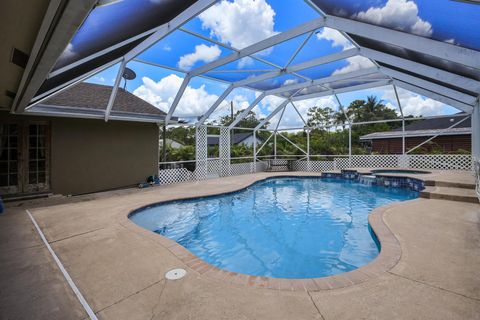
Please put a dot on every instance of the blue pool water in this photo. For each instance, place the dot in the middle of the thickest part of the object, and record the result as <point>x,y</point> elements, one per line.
<point>280,227</point>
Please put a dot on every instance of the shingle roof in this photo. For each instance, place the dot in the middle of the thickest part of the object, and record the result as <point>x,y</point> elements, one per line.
<point>96,96</point>
<point>427,127</point>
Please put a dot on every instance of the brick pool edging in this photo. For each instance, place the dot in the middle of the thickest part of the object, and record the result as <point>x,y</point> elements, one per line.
<point>388,257</point>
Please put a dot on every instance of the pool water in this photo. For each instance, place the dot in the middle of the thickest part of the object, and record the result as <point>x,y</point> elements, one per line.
<point>280,227</point>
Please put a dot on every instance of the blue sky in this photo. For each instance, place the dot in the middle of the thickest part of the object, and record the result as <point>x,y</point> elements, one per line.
<point>239,23</point>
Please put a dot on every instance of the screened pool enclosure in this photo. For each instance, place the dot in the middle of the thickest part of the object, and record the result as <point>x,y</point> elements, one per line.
<point>275,59</point>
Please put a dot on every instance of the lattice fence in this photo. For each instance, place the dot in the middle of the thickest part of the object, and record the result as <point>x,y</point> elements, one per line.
<point>213,168</point>
<point>169,176</point>
<point>315,166</point>
<point>441,161</point>
<point>224,152</point>
<point>374,161</point>
<point>341,163</point>
<point>201,152</point>
<point>237,169</point>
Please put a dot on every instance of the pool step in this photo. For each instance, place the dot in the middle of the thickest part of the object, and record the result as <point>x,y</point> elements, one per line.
<point>448,184</point>
<point>448,193</point>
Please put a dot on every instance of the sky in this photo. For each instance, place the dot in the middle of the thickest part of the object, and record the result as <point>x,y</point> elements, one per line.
<point>240,23</point>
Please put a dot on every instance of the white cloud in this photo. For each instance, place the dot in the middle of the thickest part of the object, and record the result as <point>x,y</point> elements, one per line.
<point>291,119</point>
<point>290,82</point>
<point>167,48</point>
<point>202,53</point>
<point>337,39</point>
<point>397,14</point>
<point>101,79</point>
<point>194,102</point>
<point>354,63</point>
<point>239,23</point>
<point>414,104</point>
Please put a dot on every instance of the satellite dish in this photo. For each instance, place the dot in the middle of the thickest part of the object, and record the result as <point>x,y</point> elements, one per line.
<point>128,74</point>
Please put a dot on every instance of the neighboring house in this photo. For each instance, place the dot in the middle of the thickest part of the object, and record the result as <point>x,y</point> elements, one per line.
<point>172,143</point>
<point>245,138</point>
<point>71,155</point>
<point>450,140</point>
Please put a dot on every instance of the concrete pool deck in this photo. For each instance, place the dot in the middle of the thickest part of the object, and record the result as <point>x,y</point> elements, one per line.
<point>120,270</point>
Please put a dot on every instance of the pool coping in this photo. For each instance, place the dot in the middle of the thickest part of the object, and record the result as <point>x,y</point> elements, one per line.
<point>389,255</point>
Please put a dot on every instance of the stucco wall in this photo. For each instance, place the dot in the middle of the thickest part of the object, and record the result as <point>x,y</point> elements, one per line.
<point>91,155</point>
<point>94,155</point>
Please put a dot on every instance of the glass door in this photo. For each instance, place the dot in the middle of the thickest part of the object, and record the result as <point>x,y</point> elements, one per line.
<point>9,155</point>
<point>24,157</point>
<point>37,162</point>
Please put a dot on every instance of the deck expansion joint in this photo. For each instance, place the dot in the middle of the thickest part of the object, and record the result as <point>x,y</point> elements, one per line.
<point>433,286</point>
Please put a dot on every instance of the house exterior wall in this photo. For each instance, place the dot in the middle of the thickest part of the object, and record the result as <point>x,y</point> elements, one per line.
<point>89,155</point>
<point>449,144</point>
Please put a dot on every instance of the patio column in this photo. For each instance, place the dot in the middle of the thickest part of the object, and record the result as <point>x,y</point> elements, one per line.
<point>350,145</point>
<point>275,145</point>
<point>308,150</point>
<point>476,130</point>
<point>254,151</point>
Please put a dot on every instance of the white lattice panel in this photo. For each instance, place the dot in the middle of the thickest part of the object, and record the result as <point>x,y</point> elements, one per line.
<point>169,176</point>
<point>374,161</point>
<point>224,152</point>
<point>261,166</point>
<point>237,169</point>
<point>213,168</point>
<point>201,153</point>
<point>441,161</point>
<point>341,163</point>
<point>315,166</point>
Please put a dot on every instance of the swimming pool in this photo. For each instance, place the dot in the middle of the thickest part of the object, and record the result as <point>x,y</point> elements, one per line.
<point>280,227</point>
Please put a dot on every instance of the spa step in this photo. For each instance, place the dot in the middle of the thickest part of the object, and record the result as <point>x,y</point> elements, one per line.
<point>453,194</point>
<point>460,185</point>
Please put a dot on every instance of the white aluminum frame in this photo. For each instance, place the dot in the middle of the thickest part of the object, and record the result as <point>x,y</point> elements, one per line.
<point>406,79</point>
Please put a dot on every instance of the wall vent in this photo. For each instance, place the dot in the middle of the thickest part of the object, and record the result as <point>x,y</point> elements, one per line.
<point>19,58</point>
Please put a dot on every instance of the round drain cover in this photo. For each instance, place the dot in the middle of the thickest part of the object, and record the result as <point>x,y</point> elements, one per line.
<point>175,274</point>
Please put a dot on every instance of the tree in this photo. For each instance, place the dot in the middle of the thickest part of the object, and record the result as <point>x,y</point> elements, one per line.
<point>319,117</point>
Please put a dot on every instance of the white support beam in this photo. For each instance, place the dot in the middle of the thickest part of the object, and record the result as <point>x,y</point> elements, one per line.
<point>427,71</point>
<point>177,98</point>
<point>113,95</point>
<point>246,111</point>
<point>453,94</point>
<point>271,115</point>
<point>300,47</point>
<point>301,66</point>
<point>374,84</point>
<point>167,28</point>
<point>346,76</point>
<point>442,50</point>
<point>403,118</point>
<point>441,131</point>
<point>214,106</point>
<point>261,45</point>
<point>292,143</point>
<point>476,131</point>
<point>265,143</point>
<point>435,96</point>
<point>299,114</point>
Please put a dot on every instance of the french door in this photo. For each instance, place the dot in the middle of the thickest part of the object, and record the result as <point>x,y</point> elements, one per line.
<point>24,157</point>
